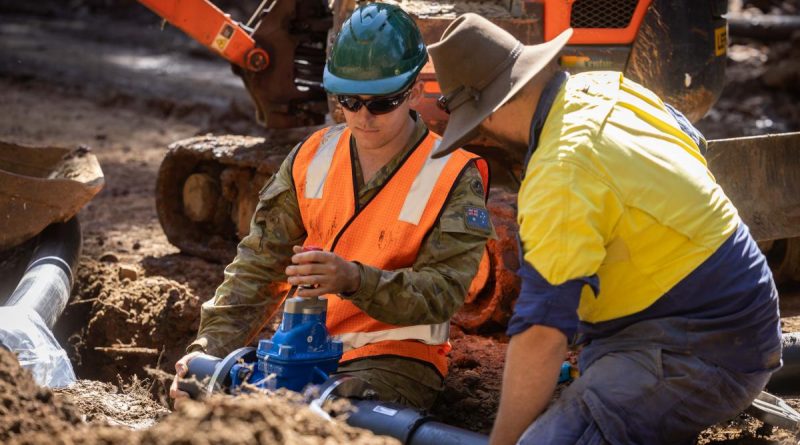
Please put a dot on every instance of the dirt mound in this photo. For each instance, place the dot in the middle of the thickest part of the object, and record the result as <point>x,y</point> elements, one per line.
<point>132,321</point>
<point>26,407</point>
<point>280,418</point>
<point>197,274</point>
<point>131,405</point>
<point>30,414</point>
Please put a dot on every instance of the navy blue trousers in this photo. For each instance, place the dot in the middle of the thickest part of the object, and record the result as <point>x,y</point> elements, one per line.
<point>647,395</point>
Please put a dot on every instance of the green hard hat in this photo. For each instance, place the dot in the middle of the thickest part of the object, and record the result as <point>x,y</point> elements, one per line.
<point>379,51</point>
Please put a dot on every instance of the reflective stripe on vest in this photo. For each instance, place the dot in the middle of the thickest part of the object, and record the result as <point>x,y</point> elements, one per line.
<point>417,198</point>
<point>386,233</point>
<point>430,334</point>
<point>421,189</point>
<point>321,163</point>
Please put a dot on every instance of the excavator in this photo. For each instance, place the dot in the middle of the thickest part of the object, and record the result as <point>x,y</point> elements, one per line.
<point>208,186</point>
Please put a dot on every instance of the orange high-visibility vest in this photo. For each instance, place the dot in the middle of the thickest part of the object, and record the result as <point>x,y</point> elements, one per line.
<point>386,232</point>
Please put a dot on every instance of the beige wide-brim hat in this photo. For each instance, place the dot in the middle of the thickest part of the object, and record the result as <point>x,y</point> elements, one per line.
<point>480,67</point>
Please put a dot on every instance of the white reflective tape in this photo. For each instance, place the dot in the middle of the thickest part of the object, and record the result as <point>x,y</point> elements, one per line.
<point>430,334</point>
<point>321,163</point>
<point>384,410</point>
<point>421,189</point>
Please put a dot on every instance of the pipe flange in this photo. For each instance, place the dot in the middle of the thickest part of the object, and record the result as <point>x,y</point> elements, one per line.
<point>220,380</point>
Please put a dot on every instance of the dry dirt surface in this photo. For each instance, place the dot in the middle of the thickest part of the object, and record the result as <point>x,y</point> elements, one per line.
<point>130,318</point>
<point>127,90</point>
<point>128,405</point>
<point>100,414</point>
<point>26,408</point>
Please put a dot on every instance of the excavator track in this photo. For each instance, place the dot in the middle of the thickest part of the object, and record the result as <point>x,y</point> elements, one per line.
<point>207,188</point>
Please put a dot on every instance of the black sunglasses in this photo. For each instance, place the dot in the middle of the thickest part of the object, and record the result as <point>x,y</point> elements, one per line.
<point>380,105</point>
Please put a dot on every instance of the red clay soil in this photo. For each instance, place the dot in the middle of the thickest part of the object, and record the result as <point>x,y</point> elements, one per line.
<point>472,387</point>
<point>489,310</point>
<point>472,392</point>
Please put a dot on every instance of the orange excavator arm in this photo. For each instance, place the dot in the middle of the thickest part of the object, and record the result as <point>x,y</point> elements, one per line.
<point>207,24</point>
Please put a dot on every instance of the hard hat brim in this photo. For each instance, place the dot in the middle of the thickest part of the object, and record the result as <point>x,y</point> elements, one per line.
<point>377,87</point>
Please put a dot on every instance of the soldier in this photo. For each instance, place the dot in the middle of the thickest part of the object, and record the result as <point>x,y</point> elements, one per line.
<point>397,260</point>
<point>626,241</point>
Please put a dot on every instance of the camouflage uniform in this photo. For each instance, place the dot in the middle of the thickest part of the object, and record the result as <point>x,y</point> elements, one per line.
<point>429,292</point>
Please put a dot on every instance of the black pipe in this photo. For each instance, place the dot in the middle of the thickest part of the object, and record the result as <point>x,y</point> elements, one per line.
<point>387,419</point>
<point>409,426</point>
<point>13,263</point>
<point>437,433</point>
<point>47,282</point>
<point>787,379</point>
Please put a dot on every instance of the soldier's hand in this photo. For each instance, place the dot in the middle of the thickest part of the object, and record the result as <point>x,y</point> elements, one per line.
<point>181,366</point>
<point>322,273</point>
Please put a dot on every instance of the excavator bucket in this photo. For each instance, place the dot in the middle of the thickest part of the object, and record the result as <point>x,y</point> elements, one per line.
<point>43,185</point>
<point>761,176</point>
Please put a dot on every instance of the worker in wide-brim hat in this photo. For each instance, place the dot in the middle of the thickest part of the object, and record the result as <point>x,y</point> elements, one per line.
<point>402,234</point>
<point>628,246</point>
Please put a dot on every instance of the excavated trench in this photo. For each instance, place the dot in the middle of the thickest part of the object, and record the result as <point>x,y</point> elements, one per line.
<point>135,303</point>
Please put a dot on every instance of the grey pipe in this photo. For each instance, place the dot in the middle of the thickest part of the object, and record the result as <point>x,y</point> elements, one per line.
<point>46,285</point>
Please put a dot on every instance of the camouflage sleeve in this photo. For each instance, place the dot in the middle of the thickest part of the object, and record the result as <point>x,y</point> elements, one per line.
<point>253,284</point>
<point>434,288</point>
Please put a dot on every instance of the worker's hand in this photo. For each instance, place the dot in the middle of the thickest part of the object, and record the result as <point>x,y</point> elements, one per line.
<point>181,366</point>
<point>323,273</point>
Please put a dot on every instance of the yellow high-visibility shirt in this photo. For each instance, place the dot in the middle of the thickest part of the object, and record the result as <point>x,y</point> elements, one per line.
<point>616,189</point>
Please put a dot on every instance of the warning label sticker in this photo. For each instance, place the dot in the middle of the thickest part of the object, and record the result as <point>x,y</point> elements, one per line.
<point>223,37</point>
<point>721,41</point>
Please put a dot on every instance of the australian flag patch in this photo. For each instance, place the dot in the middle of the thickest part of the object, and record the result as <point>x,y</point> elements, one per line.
<point>477,218</point>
